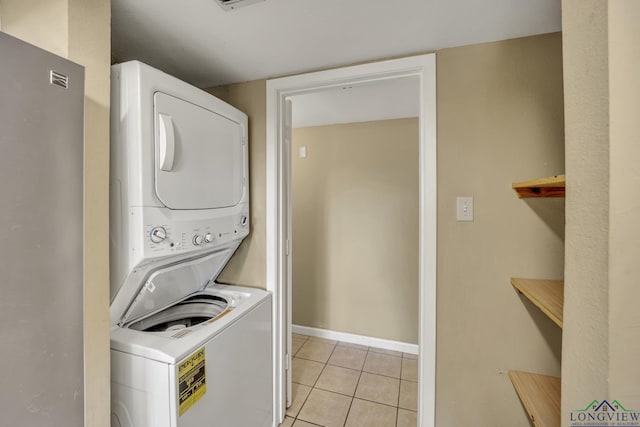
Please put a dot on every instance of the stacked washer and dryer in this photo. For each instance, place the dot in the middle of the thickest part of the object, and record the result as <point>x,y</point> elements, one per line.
<point>185,350</point>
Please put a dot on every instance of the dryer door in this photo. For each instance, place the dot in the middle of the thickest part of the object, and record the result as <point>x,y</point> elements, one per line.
<point>199,156</point>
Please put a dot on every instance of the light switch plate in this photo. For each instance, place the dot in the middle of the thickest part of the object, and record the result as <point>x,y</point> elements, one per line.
<point>464,208</point>
<point>302,152</point>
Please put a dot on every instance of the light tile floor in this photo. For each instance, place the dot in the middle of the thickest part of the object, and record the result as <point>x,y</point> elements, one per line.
<point>338,384</point>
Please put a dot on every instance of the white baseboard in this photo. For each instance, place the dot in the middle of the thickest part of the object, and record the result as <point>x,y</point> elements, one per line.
<point>356,339</point>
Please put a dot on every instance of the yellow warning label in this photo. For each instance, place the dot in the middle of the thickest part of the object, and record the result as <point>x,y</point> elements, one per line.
<point>192,380</point>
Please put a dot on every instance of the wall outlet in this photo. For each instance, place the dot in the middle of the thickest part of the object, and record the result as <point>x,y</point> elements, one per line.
<point>464,208</point>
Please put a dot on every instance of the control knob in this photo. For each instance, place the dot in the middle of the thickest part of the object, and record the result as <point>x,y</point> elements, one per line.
<point>197,240</point>
<point>208,238</point>
<point>158,234</point>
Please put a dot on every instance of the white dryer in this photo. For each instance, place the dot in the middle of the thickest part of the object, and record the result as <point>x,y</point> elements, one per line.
<point>185,350</point>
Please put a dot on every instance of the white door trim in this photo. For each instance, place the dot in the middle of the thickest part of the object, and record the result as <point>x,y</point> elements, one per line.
<point>278,90</point>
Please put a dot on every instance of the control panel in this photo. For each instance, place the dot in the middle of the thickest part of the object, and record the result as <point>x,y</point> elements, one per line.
<point>158,234</point>
<point>169,236</point>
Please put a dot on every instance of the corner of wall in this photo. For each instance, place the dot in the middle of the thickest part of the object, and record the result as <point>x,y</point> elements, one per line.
<point>90,45</point>
<point>585,356</point>
<point>247,266</point>
<point>624,233</point>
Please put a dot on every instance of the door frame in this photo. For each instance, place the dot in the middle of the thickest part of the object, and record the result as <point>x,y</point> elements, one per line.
<point>278,174</point>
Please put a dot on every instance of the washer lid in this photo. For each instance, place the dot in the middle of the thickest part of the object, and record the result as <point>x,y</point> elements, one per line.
<point>166,286</point>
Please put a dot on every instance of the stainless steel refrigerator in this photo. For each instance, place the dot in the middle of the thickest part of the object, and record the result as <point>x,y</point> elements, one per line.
<point>41,230</point>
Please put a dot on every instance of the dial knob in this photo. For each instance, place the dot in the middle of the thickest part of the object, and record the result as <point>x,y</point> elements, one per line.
<point>197,240</point>
<point>158,234</point>
<point>208,238</point>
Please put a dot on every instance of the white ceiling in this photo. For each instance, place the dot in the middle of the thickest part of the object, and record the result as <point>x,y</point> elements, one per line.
<point>381,100</point>
<point>197,41</point>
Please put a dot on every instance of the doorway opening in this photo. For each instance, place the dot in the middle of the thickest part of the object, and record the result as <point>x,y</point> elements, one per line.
<point>279,218</point>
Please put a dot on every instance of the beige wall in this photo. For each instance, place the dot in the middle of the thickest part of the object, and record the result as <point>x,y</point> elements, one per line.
<point>90,45</point>
<point>43,23</point>
<point>586,311</point>
<point>80,30</point>
<point>355,228</point>
<point>500,119</point>
<point>248,265</point>
<point>601,319</point>
<point>624,199</point>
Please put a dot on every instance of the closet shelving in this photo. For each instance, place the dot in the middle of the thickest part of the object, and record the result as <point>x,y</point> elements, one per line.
<point>552,186</point>
<point>547,295</point>
<point>540,394</point>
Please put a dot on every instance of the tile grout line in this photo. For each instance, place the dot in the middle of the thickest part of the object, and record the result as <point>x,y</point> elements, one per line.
<point>354,392</point>
<point>360,371</point>
<point>378,403</point>
<point>314,383</point>
<point>312,387</point>
<point>399,389</point>
<point>298,351</point>
<point>305,399</point>
<point>383,375</point>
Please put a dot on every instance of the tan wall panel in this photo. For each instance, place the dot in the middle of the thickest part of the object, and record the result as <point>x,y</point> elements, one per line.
<point>90,45</point>
<point>500,119</point>
<point>247,267</point>
<point>585,358</point>
<point>355,229</point>
<point>624,68</point>
<point>42,23</point>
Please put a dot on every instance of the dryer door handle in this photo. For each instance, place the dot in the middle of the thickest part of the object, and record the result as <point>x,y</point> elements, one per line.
<point>167,142</point>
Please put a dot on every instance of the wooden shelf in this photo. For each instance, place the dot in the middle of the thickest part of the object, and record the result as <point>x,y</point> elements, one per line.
<point>540,395</point>
<point>547,295</point>
<point>552,186</point>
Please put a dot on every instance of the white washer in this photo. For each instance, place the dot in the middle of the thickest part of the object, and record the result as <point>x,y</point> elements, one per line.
<point>185,350</point>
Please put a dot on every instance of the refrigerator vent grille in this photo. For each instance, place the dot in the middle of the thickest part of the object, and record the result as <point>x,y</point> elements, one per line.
<point>58,79</point>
